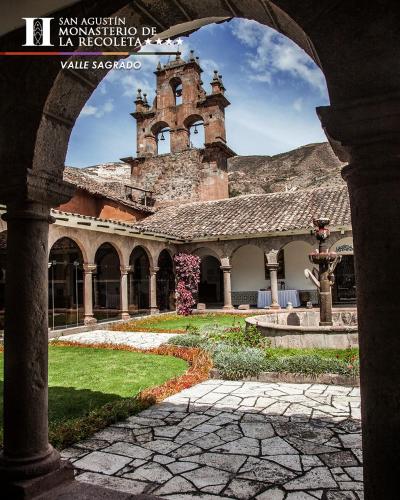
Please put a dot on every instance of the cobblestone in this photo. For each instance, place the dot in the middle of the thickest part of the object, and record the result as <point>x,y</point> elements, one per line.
<point>251,440</point>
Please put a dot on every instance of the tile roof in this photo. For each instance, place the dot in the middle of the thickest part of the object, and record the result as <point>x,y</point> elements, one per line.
<point>251,214</point>
<point>110,190</point>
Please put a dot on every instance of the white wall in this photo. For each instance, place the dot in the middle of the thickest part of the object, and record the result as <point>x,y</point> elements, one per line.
<point>248,272</point>
<point>296,260</point>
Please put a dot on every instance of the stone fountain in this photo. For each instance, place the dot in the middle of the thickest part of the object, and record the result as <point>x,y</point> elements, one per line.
<point>327,262</point>
<point>313,328</point>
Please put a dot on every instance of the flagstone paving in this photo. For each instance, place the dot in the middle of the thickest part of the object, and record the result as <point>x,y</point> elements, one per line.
<point>242,440</point>
<point>141,340</point>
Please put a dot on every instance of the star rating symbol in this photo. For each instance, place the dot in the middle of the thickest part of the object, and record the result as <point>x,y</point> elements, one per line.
<point>179,41</point>
<point>168,41</point>
<point>159,41</point>
<point>147,41</point>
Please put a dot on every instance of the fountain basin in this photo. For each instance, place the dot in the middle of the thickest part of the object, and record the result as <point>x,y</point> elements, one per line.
<point>301,329</point>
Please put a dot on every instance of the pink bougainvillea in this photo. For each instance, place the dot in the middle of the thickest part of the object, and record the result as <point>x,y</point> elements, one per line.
<point>187,269</point>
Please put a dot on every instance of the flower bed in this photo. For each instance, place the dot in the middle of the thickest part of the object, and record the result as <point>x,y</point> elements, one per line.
<point>239,353</point>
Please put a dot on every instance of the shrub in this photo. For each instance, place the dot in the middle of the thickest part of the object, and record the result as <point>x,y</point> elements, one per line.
<point>188,340</point>
<point>238,362</point>
<point>246,336</point>
<point>311,364</point>
<point>187,269</point>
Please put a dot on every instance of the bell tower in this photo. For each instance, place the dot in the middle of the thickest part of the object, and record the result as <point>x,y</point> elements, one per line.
<point>180,106</point>
<point>180,102</point>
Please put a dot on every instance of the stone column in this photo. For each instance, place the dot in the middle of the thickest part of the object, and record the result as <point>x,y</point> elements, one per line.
<point>153,290</point>
<point>366,133</point>
<point>124,292</point>
<point>88,270</point>
<point>273,276</point>
<point>227,287</point>
<point>27,452</point>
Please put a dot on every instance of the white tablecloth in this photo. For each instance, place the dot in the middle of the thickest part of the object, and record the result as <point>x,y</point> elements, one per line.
<point>264,298</point>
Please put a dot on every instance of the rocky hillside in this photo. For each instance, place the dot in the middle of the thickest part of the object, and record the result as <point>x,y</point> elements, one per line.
<point>313,165</point>
<point>110,172</point>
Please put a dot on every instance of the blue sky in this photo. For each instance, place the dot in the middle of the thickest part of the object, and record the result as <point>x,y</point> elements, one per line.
<point>273,87</point>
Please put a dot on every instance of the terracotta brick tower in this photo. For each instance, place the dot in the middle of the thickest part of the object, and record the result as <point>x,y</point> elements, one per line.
<point>186,173</point>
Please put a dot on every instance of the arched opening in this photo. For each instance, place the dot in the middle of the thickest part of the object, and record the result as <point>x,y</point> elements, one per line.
<point>295,261</point>
<point>165,282</point>
<point>3,264</point>
<point>248,275</point>
<point>161,132</point>
<point>344,288</point>
<point>107,283</point>
<point>211,286</point>
<point>177,90</point>
<point>196,135</point>
<point>65,284</point>
<point>163,139</point>
<point>139,281</point>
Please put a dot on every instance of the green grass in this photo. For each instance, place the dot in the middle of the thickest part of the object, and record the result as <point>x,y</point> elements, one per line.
<point>82,380</point>
<point>175,323</point>
<point>343,354</point>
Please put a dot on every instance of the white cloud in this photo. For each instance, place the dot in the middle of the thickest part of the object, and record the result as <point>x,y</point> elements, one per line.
<point>97,111</point>
<point>273,53</point>
<point>298,104</point>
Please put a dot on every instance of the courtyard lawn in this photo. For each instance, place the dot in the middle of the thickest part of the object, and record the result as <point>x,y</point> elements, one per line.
<point>82,380</point>
<point>183,324</point>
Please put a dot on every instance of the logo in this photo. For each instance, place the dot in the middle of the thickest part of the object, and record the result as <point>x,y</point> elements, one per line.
<point>37,31</point>
<point>344,248</point>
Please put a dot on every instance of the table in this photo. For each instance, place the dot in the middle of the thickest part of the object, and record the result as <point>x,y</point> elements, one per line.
<point>264,298</point>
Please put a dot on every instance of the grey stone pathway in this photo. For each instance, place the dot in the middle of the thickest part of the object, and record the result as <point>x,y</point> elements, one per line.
<point>141,340</point>
<point>242,440</point>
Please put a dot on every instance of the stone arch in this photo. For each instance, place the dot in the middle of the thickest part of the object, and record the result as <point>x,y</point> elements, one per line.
<point>54,238</point>
<point>344,288</point>
<point>195,125</point>
<point>165,281</point>
<point>140,264</point>
<point>149,254</point>
<point>161,131</point>
<point>244,243</point>
<point>65,283</point>
<point>295,261</point>
<point>107,281</point>
<point>205,250</point>
<point>105,239</point>
<point>211,286</point>
<point>176,85</point>
<point>191,119</point>
<point>248,269</point>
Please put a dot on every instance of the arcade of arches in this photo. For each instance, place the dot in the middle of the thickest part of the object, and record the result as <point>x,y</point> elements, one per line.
<point>107,288</point>
<point>357,47</point>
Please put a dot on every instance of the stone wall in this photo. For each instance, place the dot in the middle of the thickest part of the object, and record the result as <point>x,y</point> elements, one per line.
<point>190,175</point>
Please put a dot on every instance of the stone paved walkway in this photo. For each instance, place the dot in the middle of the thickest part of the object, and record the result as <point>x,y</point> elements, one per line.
<point>241,440</point>
<point>141,340</point>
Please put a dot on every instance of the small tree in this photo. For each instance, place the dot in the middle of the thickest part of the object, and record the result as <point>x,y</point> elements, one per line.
<point>187,269</point>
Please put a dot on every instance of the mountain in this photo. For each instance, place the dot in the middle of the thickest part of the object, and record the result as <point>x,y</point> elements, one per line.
<point>110,172</point>
<point>313,165</point>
